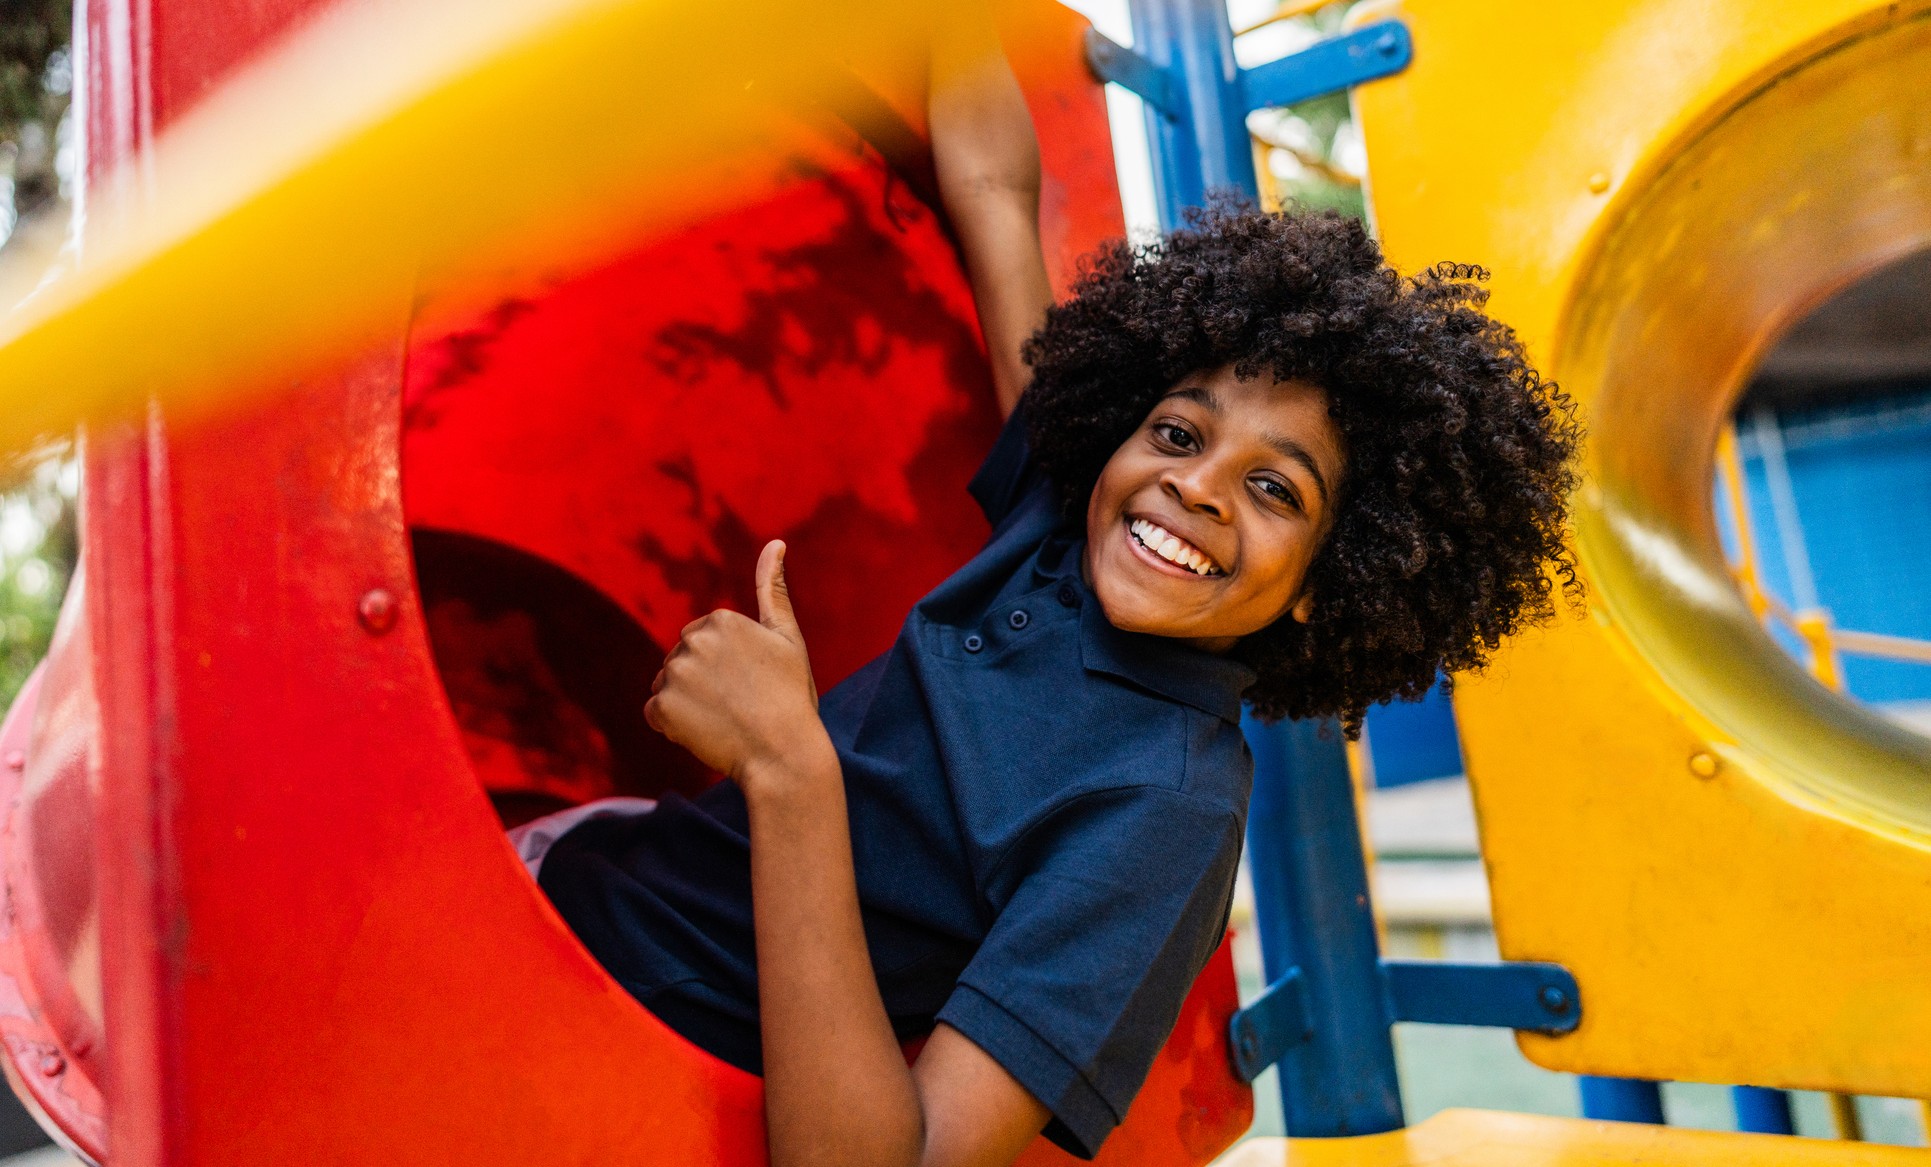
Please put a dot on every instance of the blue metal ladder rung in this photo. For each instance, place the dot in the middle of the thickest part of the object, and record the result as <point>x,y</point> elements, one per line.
<point>1338,63</point>
<point>1525,995</point>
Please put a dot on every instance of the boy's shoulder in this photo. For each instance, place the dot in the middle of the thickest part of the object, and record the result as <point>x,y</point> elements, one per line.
<point>1060,723</point>
<point>1009,474</point>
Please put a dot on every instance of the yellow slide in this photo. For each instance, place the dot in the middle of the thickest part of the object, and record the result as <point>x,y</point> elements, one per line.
<point>1733,860</point>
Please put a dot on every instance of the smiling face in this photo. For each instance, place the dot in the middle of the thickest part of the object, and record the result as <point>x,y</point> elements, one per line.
<point>1203,523</point>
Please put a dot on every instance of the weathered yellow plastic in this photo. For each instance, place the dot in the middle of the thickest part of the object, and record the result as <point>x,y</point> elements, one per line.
<point>221,269</point>
<point>1659,186</point>
<point>1483,1138</point>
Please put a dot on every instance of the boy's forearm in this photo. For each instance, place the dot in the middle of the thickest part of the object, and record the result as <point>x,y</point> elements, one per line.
<point>1000,242</point>
<point>987,158</point>
<point>837,1089</point>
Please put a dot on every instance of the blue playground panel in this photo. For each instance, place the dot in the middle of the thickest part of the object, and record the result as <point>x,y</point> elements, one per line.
<point>1860,473</point>
<point>1414,741</point>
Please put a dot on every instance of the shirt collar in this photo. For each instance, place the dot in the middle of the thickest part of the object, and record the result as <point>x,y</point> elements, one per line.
<point>1210,682</point>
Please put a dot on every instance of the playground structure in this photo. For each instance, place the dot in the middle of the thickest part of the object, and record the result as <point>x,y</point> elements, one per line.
<point>1725,801</point>
<point>1760,174</point>
<point>261,910</point>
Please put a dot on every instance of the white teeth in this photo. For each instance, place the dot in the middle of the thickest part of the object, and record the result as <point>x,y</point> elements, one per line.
<point>1171,547</point>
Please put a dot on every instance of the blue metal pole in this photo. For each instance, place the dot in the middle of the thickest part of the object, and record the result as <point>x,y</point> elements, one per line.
<point>1762,1110</point>
<point>1317,928</point>
<point>1311,902</point>
<point>1201,144</point>
<point>1621,1099</point>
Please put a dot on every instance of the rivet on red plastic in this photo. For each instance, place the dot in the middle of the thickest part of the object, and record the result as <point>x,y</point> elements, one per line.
<point>377,611</point>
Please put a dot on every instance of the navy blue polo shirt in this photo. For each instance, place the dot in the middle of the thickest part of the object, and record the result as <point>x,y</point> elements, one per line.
<point>1046,815</point>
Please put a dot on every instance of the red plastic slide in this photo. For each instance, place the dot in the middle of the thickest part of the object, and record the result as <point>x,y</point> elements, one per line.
<point>325,645</point>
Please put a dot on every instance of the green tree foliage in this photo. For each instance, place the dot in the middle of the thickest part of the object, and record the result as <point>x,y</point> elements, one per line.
<point>1330,119</point>
<point>31,32</point>
<point>1305,146</point>
<point>35,90</point>
<point>38,535</point>
<point>38,547</point>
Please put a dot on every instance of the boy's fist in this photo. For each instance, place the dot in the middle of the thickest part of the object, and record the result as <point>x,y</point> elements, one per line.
<point>738,692</point>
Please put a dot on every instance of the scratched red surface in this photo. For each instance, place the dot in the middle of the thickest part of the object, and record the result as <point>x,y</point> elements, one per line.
<point>313,944</point>
<point>829,324</point>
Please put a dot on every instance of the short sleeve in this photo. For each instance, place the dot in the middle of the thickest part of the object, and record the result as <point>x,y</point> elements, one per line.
<point>1112,906</point>
<point>1009,473</point>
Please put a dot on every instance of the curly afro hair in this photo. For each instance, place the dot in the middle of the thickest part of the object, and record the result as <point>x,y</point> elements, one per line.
<point>1448,530</point>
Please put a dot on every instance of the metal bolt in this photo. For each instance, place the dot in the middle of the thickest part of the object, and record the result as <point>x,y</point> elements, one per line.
<point>1387,44</point>
<point>16,759</point>
<point>1703,764</point>
<point>52,1065</point>
<point>377,611</point>
<point>1248,1043</point>
<point>1555,999</point>
<point>1598,182</point>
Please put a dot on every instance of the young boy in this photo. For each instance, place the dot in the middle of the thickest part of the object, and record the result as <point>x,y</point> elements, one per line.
<point>1250,463</point>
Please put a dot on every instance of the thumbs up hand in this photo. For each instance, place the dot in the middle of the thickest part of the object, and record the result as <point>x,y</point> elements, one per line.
<point>774,597</point>
<point>738,692</point>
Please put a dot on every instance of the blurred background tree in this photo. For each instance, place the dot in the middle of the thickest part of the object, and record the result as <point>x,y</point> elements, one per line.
<point>38,544</point>
<point>36,89</point>
<point>1309,155</point>
<point>37,487</point>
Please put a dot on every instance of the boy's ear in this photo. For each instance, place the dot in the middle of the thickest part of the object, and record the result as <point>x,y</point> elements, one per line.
<point>1303,608</point>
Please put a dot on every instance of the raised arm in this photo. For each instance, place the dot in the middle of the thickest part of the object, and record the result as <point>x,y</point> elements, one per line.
<point>987,158</point>
<point>738,694</point>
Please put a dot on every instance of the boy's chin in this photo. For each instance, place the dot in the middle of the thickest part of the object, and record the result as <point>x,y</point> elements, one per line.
<point>1135,614</point>
<point>1133,611</point>
<point>1128,613</point>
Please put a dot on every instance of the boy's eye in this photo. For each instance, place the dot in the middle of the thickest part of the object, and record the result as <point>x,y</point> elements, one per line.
<point>1278,491</point>
<point>1175,435</point>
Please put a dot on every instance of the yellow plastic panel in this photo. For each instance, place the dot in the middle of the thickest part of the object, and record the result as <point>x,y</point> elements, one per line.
<point>1659,187</point>
<point>1481,1138</point>
<point>368,151</point>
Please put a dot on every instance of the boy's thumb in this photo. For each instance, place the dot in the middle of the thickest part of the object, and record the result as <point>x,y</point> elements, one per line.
<point>774,598</point>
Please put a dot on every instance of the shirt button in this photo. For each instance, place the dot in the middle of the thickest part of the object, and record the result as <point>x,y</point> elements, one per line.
<point>1068,596</point>
<point>974,643</point>
<point>1019,619</point>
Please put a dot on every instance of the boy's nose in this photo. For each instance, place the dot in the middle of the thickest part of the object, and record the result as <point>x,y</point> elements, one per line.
<point>1199,492</point>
